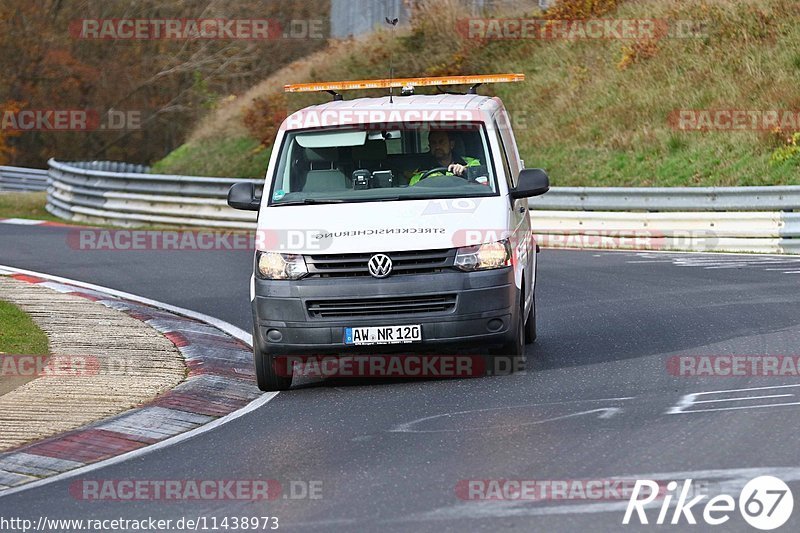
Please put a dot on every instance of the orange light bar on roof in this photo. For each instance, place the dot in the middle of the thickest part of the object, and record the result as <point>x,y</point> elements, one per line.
<point>401,83</point>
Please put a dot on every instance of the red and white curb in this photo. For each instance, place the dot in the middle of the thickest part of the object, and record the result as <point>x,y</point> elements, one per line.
<point>220,386</point>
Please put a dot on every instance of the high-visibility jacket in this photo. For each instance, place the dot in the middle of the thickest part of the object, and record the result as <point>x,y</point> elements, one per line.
<point>466,161</point>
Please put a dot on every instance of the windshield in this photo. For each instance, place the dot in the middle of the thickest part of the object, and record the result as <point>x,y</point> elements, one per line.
<point>392,163</point>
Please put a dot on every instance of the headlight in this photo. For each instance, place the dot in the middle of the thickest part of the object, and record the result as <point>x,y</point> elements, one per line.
<point>273,265</point>
<point>484,256</point>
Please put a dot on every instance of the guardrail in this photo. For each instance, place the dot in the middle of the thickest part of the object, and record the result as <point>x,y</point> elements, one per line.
<point>748,219</point>
<point>126,195</point>
<point>775,198</point>
<point>743,231</point>
<point>724,219</point>
<point>22,179</point>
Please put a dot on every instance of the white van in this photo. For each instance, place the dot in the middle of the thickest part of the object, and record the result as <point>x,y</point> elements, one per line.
<point>393,223</point>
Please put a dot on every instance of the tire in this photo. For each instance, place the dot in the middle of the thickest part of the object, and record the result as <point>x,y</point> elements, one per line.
<point>530,323</point>
<point>513,350</point>
<point>267,378</point>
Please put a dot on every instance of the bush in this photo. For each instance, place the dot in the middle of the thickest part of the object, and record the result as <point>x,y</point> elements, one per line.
<point>264,116</point>
<point>581,9</point>
<point>790,152</point>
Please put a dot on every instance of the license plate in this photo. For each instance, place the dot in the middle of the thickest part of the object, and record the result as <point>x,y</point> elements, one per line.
<point>383,335</point>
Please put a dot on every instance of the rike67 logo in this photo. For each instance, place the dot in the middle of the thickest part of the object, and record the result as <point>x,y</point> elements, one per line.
<point>765,503</point>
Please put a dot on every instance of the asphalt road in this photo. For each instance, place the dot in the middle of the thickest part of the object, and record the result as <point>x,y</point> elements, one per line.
<point>596,402</point>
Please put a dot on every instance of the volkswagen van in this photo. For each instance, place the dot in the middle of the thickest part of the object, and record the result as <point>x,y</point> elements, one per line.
<point>393,224</point>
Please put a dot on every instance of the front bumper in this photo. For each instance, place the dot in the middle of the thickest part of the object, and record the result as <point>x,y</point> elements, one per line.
<point>485,305</point>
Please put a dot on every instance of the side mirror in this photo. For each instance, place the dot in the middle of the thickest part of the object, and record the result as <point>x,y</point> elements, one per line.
<point>532,182</point>
<point>243,196</point>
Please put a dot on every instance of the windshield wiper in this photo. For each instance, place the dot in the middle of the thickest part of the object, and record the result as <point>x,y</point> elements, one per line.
<point>311,201</point>
<point>338,200</point>
<point>308,201</point>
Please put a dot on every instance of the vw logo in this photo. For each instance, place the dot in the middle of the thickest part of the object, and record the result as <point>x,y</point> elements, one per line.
<point>380,265</point>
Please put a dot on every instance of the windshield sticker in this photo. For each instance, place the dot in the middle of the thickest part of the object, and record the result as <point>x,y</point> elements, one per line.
<point>379,231</point>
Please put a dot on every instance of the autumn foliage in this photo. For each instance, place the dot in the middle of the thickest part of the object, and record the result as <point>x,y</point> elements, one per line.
<point>6,150</point>
<point>580,9</point>
<point>170,83</point>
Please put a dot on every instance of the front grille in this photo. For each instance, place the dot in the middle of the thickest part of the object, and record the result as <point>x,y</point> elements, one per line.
<point>410,262</point>
<point>389,306</point>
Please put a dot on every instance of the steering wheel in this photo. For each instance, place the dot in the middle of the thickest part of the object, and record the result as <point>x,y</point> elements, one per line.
<point>440,170</point>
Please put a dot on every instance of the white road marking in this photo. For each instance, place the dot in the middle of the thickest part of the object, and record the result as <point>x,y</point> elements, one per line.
<point>688,400</point>
<point>605,413</point>
<point>721,261</point>
<point>225,326</point>
<point>22,221</point>
<point>739,407</point>
<point>689,254</point>
<point>745,265</point>
<point>652,261</point>
<point>745,398</point>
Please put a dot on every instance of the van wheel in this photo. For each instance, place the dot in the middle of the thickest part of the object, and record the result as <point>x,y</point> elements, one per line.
<point>510,357</point>
<point>267,376</point>
<point>530,323</point>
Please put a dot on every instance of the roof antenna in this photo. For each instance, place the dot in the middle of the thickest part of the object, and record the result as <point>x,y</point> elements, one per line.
<point>393,24</point>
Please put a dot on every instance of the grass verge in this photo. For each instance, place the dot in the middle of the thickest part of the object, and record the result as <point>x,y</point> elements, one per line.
<point>20,336</point>
<point>18,333</point>
<point>25,205</point>
<point>31,205</point>
<point>237,157</point>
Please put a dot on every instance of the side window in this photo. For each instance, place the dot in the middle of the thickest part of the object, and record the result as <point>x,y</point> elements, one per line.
<point>509,143</point>
<point>504,158</point>
<point>286,168</point>
<point>394,146</point>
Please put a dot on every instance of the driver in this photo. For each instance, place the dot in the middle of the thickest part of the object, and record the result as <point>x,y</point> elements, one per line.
<point>441,155</point>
